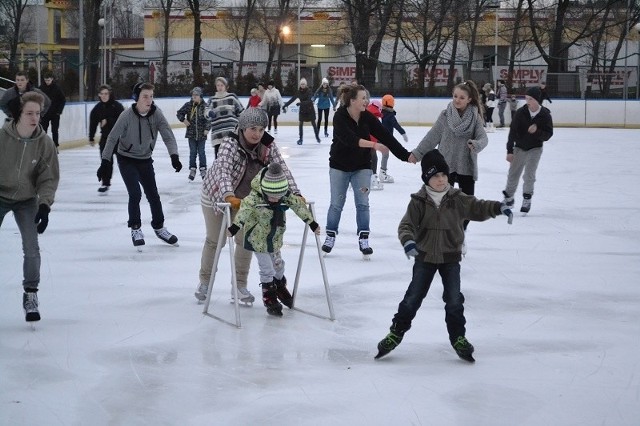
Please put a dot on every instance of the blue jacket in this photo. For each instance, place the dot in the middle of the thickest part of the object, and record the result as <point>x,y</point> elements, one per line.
<point>324,95</point>
<point>389,121</point>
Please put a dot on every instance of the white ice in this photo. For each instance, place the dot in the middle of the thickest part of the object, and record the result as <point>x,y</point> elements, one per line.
<point>552,305</point>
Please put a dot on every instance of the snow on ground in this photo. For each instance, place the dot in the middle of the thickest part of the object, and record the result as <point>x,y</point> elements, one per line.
<point>551,304</point>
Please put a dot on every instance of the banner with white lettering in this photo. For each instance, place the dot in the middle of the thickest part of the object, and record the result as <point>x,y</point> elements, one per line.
<point>616,79</point>
<point>338,72</point>
<point>440,74</point>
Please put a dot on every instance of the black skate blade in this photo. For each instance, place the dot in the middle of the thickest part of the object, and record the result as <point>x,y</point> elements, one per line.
<point>381,353</point>
<point>32,317</point>
<point>468,358</point>
<point>274,312</point>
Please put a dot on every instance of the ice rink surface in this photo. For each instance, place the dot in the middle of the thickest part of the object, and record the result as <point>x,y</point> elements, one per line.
<point>552,306</point>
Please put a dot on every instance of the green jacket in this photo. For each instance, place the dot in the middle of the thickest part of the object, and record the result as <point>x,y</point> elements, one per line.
<point>28,166</point>
<point>439,231</point>
<point>264,224</point>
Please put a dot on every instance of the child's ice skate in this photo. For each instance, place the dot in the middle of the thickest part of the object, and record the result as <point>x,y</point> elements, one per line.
<point>526,204</point>
<point>270,299</point>
<point>389,343</point>
<point>463,348</point>
<point>283,293</point>
<point>385,177</point>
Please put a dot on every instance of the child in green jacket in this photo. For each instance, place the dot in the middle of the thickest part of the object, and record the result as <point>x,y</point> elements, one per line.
<point>262,215</point>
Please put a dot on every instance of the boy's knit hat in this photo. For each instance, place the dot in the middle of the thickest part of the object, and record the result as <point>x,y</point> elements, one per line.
<point>274,182</point>
<point>251,117</point>
<point>197,91</point>
<point>535,93</point>
<point>432,163</point>
<point>388,101</point>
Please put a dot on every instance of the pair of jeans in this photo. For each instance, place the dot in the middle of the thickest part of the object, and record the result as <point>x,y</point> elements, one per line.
<point>501,107</point>
<point>24,213</point>
<point>196,149</point>
<point>360,180</point>
<point>136,173</point>
<point>423,274</point>
<point>315,129</point>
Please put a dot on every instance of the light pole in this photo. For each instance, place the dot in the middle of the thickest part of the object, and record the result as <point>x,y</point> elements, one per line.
<point>299,1</point>
<point>637,28</point>
<point>81,51</point>
<point>103,68</point>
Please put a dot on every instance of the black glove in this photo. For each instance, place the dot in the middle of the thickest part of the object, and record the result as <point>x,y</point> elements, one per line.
<point>175,162</point>
<point>105,170</point>
<point>313,225</point>
<point>233,229</point>
<point>42,217</point>
<point>284,109</point>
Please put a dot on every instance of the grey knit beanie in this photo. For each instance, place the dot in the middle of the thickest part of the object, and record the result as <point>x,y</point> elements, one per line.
<point>251,117</point>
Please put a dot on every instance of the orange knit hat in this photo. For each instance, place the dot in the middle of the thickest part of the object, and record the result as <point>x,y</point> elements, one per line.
<point>388,101</point>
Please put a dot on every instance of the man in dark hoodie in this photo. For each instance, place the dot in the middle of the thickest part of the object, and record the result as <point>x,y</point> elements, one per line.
<point>134,138</point>
<point>10,100</point>
<point>105,114</point>
<point>58,100</point>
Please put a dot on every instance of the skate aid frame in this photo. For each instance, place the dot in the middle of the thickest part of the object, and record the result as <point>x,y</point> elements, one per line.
<point>226,207</point>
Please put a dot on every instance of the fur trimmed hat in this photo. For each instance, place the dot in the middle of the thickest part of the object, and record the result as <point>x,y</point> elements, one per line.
<point>433,163</point>
<point>252,117</point>
<point>274,182</point>
<point>535,93</point>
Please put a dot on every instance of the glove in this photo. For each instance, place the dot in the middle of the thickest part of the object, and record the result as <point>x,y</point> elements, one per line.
<point>212,115</point>
<point>304,200</point>
<point>314,225</point>
<point>405,137</point>
<point>410,249</point>
<point>234,201</point>
<point>42,217</point>
<point>233,229</point>
<point>284,110</point>
<point>175,162</point>
<point>105,170</point>
<point>506,210</point>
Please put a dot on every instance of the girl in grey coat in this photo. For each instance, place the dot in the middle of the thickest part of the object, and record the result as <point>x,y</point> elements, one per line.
<point>459,135</point>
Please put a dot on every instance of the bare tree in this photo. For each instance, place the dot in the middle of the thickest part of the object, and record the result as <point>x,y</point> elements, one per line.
<point>270,20</point>
<point>165,8</point>
<point>240,24</point>
<point>367,23</point>
<point>196,7</point>
<point>13,12</point>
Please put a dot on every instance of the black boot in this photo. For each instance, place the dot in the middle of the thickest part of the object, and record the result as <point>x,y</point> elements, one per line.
<point>283,294</point>
<point>270,299</point>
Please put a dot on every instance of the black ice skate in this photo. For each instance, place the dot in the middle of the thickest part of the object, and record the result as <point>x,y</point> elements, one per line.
<point>463,348</point>
<point>270,299</point>
<point>389,343</point>
<point>30,305</point>
<point>526,203</point>
<point>329,242</point>
<point>166,236</point>
<point>137,237</point>
<point>363,241</point>
<point>283,294</point>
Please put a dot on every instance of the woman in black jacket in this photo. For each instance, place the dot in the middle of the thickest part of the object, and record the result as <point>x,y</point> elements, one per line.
<point>307,111</point>
<point>350,162</point>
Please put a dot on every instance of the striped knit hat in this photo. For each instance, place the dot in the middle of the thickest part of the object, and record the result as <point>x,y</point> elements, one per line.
<point>274,182</point>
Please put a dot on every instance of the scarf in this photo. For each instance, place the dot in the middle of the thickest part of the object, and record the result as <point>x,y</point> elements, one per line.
<point>462,126</point>
<point>435,195</point>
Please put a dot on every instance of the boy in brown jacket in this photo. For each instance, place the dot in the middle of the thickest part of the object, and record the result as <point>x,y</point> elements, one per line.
<point>432,231</point>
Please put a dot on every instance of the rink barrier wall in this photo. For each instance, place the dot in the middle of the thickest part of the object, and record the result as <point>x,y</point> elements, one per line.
<point>74,122</point>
